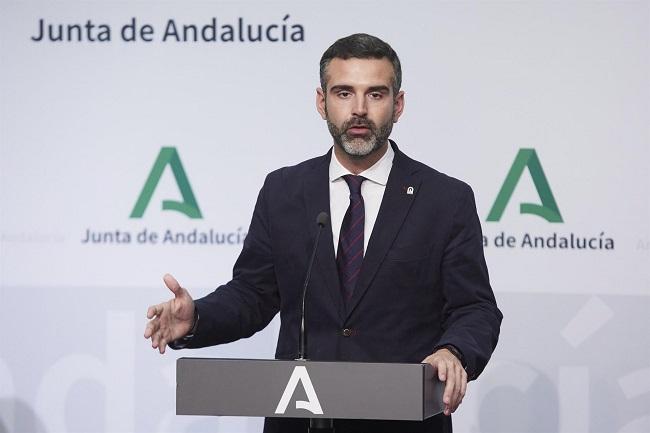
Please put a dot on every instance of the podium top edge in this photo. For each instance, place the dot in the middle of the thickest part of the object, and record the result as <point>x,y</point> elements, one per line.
<point>308,361</point>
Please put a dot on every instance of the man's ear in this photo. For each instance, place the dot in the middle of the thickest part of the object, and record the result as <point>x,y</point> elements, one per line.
<point>398,106</point>
<point>320,103</point>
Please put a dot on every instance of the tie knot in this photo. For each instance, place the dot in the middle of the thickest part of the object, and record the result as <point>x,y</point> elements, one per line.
<point>354,183</point>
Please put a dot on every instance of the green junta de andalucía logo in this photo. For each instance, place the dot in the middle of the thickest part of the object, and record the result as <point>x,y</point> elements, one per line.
<point>189,206</point>
<point>527,158</point>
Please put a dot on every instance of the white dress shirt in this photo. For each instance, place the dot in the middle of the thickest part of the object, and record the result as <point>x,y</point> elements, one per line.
<point>372,191</point>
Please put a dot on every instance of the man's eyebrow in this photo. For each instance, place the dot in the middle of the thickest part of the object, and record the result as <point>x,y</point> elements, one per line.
<point>379,89</point>
<point>340,87</point>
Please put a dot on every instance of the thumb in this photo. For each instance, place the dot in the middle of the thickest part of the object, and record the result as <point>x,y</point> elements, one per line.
<point>173,285</point>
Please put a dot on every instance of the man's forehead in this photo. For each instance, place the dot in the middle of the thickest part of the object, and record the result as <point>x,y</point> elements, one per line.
<point>353,71</point>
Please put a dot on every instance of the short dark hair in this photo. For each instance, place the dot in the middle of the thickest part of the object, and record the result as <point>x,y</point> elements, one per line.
<point>361,46</point>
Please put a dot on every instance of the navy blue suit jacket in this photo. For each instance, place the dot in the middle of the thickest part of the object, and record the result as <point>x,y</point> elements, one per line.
<point>423,283</point>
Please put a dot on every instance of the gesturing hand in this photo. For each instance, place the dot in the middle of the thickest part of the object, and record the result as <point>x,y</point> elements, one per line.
<point>453,374</point>
<point>170,320</point>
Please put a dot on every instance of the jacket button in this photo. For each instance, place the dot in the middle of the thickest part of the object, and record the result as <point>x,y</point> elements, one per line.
<point>347,332</point>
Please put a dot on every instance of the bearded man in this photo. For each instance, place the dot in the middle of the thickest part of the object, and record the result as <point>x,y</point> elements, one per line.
<point>400,274</point>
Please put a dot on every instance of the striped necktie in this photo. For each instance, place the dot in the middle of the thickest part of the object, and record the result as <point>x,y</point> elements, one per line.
<point>349,255</point>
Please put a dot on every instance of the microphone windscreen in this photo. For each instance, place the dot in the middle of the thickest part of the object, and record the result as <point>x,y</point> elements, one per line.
<point>322,219</point>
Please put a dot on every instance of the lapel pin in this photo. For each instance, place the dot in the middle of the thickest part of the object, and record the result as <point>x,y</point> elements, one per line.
<point>410,190</point>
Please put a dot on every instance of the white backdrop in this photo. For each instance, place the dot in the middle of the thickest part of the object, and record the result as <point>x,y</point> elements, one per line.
<point>81,124</point>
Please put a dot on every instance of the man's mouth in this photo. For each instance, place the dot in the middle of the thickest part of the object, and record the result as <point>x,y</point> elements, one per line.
<point>358,130</point>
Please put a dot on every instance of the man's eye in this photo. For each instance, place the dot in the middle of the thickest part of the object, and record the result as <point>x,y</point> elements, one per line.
<point>344,94</point>
<point>376,95</point>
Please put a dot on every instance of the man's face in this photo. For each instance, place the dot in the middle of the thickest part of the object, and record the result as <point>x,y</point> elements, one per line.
<point>359,105</point>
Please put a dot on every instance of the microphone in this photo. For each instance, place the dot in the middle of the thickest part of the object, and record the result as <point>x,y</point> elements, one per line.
<point>322,220</point>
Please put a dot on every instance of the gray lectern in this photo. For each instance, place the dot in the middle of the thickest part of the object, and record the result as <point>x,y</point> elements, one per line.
<point>307,389</point>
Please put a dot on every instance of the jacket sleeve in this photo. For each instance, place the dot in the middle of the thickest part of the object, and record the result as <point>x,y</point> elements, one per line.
<point>248,302</point>
<point>471,318</point>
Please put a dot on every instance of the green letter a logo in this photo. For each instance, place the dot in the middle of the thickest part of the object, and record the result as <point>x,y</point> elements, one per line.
<point>189,206</point>
<point>547,210</point>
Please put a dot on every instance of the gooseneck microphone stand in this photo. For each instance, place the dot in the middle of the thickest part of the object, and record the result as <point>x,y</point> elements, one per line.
<point>316,425</point>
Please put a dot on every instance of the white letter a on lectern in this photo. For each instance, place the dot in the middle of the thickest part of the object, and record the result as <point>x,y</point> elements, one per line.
<point>312,404</point>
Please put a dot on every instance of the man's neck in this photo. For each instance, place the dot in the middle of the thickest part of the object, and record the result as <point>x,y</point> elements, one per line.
<point>357,165</point>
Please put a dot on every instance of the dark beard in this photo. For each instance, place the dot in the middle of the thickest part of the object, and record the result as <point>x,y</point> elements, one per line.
<point>358,147</point>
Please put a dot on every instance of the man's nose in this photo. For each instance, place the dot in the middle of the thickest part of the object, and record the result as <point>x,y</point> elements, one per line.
<point>360,108</point>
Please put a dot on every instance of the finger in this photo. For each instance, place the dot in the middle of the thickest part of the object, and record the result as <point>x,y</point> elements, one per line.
<point>155,339</point>
<point>152,311</point>
<point>151,328</point>
<point>448,394</point>
<point>441,366</point>
<point>463,387</point>
<point>172,285</point>
<point>455,399</point>
<point>462,379</point>
<point>163,345</point>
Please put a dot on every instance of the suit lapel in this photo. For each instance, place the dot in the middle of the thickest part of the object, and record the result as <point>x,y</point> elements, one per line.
<point>394,207</point>
<point>317,199</point>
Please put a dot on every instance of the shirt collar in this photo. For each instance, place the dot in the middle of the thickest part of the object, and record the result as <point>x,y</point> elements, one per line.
<point>378,173</point>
